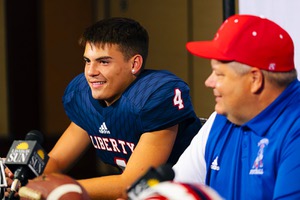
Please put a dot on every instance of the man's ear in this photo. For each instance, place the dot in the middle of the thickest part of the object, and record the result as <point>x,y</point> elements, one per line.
<point>257,79</point>
<point>137,62</point>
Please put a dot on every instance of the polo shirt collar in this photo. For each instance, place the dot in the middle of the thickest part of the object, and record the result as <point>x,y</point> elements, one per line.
<point>262,122</point>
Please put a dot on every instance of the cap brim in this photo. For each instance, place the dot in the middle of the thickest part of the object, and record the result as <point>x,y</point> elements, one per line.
<point>206,49</point>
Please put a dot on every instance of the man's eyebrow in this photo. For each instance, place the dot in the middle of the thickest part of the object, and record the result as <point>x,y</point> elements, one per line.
<point>99,58</point>
<point>104,57</point>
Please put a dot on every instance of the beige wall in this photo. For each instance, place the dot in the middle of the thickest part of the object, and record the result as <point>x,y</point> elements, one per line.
<point>3,87</point>
<point>64,21</point>
<point>166,24</point>
<point>207,18</point>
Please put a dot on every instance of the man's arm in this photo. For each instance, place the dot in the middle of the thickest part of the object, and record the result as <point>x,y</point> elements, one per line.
<point>153,149</point>
<point>71,145</point>
<point>192,160</point>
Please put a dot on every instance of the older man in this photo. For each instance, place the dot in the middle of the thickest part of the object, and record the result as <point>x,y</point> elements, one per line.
<point>249,147</point>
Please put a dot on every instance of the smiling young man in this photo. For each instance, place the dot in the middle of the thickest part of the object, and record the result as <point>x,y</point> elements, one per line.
<point>135,118</point>
<point>249,147</point>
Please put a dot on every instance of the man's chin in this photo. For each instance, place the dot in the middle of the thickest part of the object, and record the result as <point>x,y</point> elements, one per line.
<point>97,96</point>
<point>219,110</point>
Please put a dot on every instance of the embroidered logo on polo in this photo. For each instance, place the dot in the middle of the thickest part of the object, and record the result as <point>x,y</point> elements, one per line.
<point>257,167</point>
<point>103,129</point>
<point>214,165</point>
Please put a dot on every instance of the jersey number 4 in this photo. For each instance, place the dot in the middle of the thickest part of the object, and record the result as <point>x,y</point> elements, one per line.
<point>177,100</point>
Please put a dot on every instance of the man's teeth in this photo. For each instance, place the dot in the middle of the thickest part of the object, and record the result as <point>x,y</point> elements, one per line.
<point>99,83</point>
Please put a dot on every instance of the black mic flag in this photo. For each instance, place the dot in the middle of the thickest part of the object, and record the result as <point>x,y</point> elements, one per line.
<point>28,154</point>
<point>150,178</point>
<point>26,159</point>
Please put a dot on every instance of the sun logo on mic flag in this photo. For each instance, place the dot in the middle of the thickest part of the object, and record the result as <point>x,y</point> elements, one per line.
<point>152,182</point>
<point>23,146</point>
<point>41,153</point>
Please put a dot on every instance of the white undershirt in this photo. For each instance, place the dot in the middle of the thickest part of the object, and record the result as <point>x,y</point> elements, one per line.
<point>191,166</point>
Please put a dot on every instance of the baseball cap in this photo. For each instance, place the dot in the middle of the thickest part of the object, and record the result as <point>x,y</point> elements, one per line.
<point>251,40</point>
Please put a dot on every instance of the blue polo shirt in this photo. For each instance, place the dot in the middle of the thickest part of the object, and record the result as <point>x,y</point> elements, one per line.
<point>261,158</point>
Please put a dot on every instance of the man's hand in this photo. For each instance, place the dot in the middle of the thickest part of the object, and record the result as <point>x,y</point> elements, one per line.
<point>9,179</point>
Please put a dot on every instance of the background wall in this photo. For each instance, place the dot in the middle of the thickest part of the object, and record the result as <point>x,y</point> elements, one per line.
<point>283,13</point>
<point>3,86</point>
<point>53,57</point>
<point>62,57</point>
<point>206,19</point>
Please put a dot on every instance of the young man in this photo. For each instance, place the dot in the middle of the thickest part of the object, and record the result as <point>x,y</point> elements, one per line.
<point>135,118</point>
<point>249,147</point>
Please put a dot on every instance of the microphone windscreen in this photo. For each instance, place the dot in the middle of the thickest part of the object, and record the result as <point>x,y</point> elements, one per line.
<point>35,135</point>
<point>166,172</point>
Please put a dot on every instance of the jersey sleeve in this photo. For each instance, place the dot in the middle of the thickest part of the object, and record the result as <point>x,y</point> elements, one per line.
<point>191,166</point>
<point>75,99</point>
<point>167,106</point>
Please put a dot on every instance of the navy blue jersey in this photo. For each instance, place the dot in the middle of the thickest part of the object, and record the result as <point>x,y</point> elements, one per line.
<point>154,101</point>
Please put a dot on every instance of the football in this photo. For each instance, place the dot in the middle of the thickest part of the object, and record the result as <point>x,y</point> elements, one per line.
<point>53,187</point>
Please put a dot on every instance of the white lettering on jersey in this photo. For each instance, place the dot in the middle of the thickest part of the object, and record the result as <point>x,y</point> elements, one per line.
<point>130,145</point>
<point>108,148</point>
<point>114,145</point>
<point>177,100</point>
<point>122,143</point>
<point>121,163</point>
<point>110,144</point>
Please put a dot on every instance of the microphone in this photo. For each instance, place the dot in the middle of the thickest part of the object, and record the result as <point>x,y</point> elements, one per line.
<point>149,179</point>
<point>26,159</point>
<point>3,183</point>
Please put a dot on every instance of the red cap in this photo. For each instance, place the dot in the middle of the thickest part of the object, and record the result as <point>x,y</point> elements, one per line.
<point>251,40</point>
